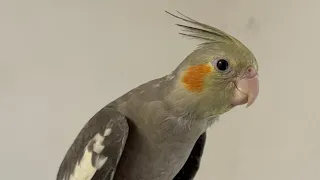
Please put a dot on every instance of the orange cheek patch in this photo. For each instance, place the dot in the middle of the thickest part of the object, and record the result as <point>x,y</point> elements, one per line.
<point>193,78</point>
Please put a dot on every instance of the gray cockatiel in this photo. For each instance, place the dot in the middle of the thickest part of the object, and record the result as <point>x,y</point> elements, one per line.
<point>157,131</point>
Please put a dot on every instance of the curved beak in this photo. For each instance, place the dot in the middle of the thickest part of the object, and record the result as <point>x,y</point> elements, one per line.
<point>247,88</point>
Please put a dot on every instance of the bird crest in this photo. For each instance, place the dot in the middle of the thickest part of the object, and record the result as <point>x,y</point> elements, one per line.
<point>203,32</point>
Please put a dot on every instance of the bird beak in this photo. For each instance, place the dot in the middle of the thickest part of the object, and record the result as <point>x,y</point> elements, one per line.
<point>247,88</point>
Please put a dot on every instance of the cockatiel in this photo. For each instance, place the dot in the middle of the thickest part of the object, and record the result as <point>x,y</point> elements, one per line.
<point>157,131</point>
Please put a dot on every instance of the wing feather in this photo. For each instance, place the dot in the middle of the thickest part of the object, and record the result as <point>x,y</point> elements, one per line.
<point>98,147</point>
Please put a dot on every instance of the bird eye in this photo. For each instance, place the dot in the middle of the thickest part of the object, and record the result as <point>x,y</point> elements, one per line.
<point>221,64</point>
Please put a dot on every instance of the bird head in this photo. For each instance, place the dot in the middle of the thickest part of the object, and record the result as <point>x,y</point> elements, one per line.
<point>218,75</point>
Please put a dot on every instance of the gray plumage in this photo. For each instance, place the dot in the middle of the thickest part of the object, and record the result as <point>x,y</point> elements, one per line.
<point>157,131</point>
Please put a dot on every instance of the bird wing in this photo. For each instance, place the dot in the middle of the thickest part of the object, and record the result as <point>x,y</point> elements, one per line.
<point>98,147</point>
<point>191,167</point>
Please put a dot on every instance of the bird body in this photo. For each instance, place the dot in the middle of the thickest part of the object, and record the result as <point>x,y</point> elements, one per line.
<point>157,131</point>
<point>161,138</point>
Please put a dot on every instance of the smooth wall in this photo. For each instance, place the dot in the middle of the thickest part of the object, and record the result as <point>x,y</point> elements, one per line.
<point>63,60</point>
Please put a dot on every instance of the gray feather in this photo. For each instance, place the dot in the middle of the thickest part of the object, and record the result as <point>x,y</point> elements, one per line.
<point>106,119</point>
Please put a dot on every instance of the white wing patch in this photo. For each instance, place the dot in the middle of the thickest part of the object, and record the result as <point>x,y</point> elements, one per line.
<point>84,169</point>
<point>107,132</point>
<point>100,161</point>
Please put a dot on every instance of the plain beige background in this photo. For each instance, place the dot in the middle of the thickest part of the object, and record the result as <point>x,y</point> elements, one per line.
<point>63,60</point>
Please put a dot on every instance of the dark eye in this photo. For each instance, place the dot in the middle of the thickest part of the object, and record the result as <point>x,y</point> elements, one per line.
<point>222,64</point>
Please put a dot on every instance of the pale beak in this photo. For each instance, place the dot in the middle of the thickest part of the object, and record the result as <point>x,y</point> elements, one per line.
<point>247,88</point>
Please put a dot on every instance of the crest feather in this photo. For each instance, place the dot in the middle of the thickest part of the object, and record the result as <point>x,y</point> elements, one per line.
<point>202,31</point>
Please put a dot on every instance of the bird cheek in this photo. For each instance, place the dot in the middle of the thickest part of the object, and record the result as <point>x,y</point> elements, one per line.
<point>194,77</point>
